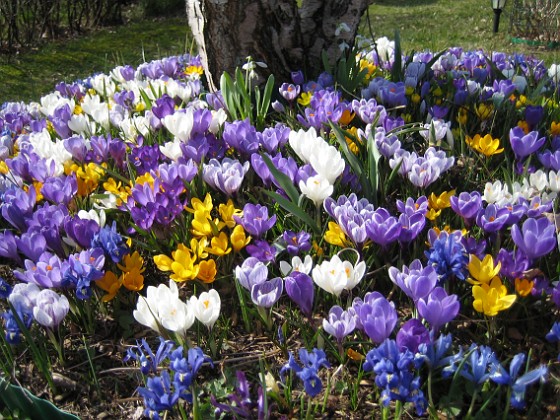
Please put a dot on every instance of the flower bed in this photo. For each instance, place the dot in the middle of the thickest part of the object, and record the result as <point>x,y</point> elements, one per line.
<point>380,240</point>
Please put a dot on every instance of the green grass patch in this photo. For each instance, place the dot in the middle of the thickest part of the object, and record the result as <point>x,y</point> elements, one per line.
<point>30,75</point>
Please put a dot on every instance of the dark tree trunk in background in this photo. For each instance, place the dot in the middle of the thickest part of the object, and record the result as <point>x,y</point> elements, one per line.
<point>278,32</point>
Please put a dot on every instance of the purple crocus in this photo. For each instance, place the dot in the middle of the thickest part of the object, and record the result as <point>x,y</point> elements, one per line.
<point>492,218</point>
<point>267,293</point>
<point>262,250</point>
<point>255,219</point>
<point>50,308</point>
<point>60,190</point>
<point>251,272</point>
<point>289,91</point>
<point>339,322</point>
<point>438,308</point>
<point>383,228</point>
<point>377,316</point>
<point>536,238</point>
<point>411,335</point>
<point>299,287</point>
<point>296,243</point>
<point>415,280</point>
<point>466,204</point>
<point>31,244</point>
<point>524,144</point>
<point>225,176</point>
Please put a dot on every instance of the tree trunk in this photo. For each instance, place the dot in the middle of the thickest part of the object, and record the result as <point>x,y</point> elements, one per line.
<point>278,32</point>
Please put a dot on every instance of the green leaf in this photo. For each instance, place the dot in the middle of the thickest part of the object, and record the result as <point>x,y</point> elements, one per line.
<point>16,398</point>
<point>294,209</point>
<point>283,180</point>
<point>397,71</point>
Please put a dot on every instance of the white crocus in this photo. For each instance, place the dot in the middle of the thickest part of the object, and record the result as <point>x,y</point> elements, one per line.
<point>554,73</point>
<point>180,124</point>
<point>297,265</point>
<point>331,275</point>
<point>162,307</point>
<point>54,152</point>
<point>81,124</point>
<point>179,90</point>
<point>554,181</point>
<point>305,143</point>
<point>171,149</point>
<point>327,162</point>
<point>103,84</point>
<point>354,273</point>
<point>493,192</point>
<point>50,102</point>
<point>538,180</point>
<point>98,216</point>
<point>206,307</point>
<point>316,188</point>
<point>106,201</point>
<point>219,117</point>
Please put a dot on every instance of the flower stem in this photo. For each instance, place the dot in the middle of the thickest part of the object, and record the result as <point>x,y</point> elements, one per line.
<point>471,407</point>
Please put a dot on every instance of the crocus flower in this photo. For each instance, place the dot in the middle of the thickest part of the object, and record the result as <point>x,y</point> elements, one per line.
<point>296,242</point>
<point>438,308</point>
<point>251,272</point>
<point>226,175</point>
<point>536,237</point>
<point>142,352</point>
<point>411,335</point>
<point>5,288</point>
<point>483,271</point>
<point>447,254</point>
<point>240,403</point>
<point>206,307</point>
<point>415,280</point>
<point>492,218</point>
<point>339,323</point>
<point>377,316</point>
<point>50,308</point>
<point>317,188</point>
<point>267,293</point>
<point>255,219</point>
<point>335,275</point>
<point>299,287</point>
<point>382,228</point>
<point>524,144</point>
<point>111,242</point>
<point>466,204</point>
<point>491,298</point>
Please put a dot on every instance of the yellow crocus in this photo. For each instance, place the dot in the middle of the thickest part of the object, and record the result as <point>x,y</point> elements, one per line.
<point>492,298</point>
<point>109,283</point>
<point>485,145</point>
<point>524,125</point>
<point>484,111</point>
<point>201,206</point>
<point>439,202</point>
<point>305,98</point>
<point>181,264</point>
<point>198,247</point>
<point>202,224</point>
<point>371,68</point>
<point>132,261</point>
<point>432,214</point>
<point>219,245</point>
<point>145,178</point>
<point>227,211</point>
<point>207,271</point>
<point>483,271</point>
<point>4,168</point>
<point>523,287</point>
<point>133,279</point>
<point>347,117</point>
<point>555,128</point>
<point>88,176</point>
<point>335,236</point>
<point>238,238</point>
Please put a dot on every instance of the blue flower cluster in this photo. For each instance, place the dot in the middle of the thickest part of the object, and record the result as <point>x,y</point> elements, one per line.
<point>395,374</point>
<point>308,371</point>
<point>163,392</point>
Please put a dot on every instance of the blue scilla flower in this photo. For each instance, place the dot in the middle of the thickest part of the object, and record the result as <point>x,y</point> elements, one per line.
<point>448,255</point>
<point>395,374</point>
<point>111,242</point>
<point>143,353</point>
<point>308,371</point>
<point>518,384</point>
